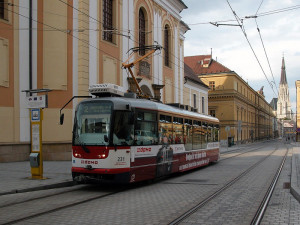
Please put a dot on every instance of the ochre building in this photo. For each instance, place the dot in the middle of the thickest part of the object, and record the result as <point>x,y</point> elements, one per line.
<point>68,45</point>
<point>244,113</point>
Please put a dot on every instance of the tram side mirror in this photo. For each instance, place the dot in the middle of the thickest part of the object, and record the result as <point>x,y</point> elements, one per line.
<point>61,119</point>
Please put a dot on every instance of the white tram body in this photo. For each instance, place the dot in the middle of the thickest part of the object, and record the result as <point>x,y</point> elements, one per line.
<point>128,140</point>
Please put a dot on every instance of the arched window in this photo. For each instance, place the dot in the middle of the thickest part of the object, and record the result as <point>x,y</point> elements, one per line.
<point>108,20</point>
<point>167,45</point>
<point>142,33</point>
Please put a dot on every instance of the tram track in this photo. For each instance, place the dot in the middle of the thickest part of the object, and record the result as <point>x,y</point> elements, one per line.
<point>43,212</point>
<point>244,151</point>
<point>259,213</point>
<point>263,206</point>
<point>53,207</point>
<point>20,200</point>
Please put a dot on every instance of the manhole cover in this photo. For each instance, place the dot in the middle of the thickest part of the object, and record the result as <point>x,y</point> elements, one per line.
<point>287,185</point>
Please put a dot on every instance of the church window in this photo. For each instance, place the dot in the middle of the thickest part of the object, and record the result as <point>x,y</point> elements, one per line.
<point>142,32</point>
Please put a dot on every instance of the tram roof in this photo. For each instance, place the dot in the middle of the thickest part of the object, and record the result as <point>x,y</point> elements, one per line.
<point>119,103</point>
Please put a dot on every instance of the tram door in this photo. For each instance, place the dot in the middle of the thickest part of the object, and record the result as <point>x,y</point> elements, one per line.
<point>164,161</point>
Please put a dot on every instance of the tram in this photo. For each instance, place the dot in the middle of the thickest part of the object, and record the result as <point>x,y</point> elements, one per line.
<point>126,139</point>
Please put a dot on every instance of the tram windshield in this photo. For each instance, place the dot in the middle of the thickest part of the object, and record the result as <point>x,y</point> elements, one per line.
<point>92,123</point>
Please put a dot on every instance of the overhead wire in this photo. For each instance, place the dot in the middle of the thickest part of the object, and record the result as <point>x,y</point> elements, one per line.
<point>264,46</point>
<point>244,32</point>
<point>189,24</point>
<point>132,39</point>
<point>179,66</point>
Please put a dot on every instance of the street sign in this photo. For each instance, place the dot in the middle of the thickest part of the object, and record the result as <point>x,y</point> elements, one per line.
<point>35,115</point>
<point>37,102</point>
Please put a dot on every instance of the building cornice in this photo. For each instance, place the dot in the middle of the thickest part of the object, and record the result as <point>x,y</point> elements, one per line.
<point>174,7</point>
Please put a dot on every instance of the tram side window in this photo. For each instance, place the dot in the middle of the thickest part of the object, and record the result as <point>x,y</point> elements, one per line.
<point>216,131</point>
<point>210,133</point>
<point>178,130</point>
<point>204,135</point>
<point>196,135</point>
<point>188,134</point>
<point>146,128</point>
<point>165,130</point>
<point>123,128</point>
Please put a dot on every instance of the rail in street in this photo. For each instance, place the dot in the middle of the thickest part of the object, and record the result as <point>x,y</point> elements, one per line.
<point>260,211</point>
<point>229,192</point>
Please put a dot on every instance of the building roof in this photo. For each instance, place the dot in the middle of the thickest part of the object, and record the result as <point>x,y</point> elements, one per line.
<point>204,64</point>
<point>184,5</point>
<point>283,73</point>
<point>189,74</point>
<point>185,26</point>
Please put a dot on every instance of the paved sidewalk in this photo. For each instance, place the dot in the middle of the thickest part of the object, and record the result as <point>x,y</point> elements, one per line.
<point>295,178</point>
<point>14,176</point>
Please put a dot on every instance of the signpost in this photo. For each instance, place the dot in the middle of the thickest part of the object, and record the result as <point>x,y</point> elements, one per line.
<point>36,104</point>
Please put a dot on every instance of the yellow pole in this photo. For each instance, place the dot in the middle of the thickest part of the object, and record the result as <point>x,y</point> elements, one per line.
<point>36,116</point>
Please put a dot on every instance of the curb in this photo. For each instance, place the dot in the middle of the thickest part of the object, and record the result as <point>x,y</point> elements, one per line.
<point>39,188</point>
<point>295,190</point>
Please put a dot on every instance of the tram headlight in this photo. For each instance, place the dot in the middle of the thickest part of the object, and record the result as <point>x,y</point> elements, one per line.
<point>103,155</point>
<point>77,155</point>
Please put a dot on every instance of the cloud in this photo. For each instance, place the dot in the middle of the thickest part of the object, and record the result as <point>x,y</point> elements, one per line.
<point>280,34</point>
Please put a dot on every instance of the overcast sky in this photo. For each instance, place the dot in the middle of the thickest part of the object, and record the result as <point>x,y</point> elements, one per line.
<point>280,33</point>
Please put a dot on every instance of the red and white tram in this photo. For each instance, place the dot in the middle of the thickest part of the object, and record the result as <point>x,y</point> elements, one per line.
<point>128,140</point>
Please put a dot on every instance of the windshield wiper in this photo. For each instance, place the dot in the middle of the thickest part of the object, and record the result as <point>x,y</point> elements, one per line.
<point>82,145</point>
<point>85,148</point>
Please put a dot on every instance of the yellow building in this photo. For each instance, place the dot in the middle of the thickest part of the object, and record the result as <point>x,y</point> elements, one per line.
<point>244,113</point>
<point>66,46</point>
<point>298,110</point>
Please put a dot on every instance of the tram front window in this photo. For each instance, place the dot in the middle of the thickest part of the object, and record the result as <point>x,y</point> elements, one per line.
<point>92,123</point>
<point>123,128</point>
